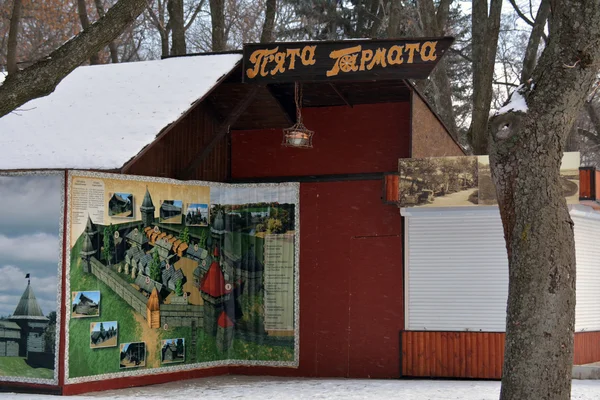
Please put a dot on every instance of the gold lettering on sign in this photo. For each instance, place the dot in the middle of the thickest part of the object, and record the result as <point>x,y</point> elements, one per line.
<point>345,60</point>
<point>308,55</point>
<point>264,62</point>
<point>431,56</point>
<point>394,56</point>
<point>292,54</point>
<point>379,58</point>
<point>258,58</point>
<point>280,61</point>
<point>366,56</point>
<point>411,51</point>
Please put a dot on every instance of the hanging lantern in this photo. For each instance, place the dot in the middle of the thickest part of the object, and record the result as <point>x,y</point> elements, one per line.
<point>298,135</point>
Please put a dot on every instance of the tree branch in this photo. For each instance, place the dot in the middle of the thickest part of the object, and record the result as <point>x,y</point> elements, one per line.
<point>41,78</point>
<point>459,53</point>
<point>194,15</point>
<point>534,40</point>
<point>155,19</point>
<point>520,14</point>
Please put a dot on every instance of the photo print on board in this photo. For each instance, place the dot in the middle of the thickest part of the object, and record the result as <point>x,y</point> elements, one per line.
<point>171,211</point>
<point>103,334</point>
<point>85,304</point>
<point>215,267</point>
<point>196,215</point>
<point>172,351</point>
<point>133,355</point>
<point>120,205</point>
<point>30,245</point>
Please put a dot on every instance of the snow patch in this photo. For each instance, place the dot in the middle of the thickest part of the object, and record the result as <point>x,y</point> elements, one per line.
<point>2,76</point>
<point>272,388</point>
<point>517,103</point>
<point>101,116</point>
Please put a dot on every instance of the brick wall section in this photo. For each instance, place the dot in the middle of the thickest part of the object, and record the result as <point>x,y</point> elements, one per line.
<point>181,315</point>
<point>429,136</point>
<point>134,298</point>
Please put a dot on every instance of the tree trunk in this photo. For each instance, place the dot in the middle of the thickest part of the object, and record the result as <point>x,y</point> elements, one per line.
<point>438,86</point>
<point>525,158</point>
<point>485,31</point>
<point>13,34</point>
<point>114,52</point>
<point>534,40</point>
<point>393,28</point>
<point>217,17</point>
<point>85,23</point>
<point>41,78</point>
<point>176,22</point>
<point>269,25</point>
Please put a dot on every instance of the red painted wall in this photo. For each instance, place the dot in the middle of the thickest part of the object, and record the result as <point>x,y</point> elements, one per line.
<point>351,306</point>
<point>365,138</point>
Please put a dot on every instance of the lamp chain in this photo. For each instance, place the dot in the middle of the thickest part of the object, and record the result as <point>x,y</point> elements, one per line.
<point>298,96</point>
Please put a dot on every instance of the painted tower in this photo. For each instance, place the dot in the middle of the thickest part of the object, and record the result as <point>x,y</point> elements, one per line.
<point>215,292</point>
<point>92,231</point>
<point>86,252</point>
<point>147,209</point>
<point>28,315</point>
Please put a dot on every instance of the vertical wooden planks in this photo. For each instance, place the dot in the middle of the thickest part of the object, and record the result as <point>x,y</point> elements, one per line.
<point>453,354</point>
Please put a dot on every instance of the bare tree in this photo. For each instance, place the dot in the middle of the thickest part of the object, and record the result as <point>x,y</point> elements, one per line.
<point>433,21</point>
<point>217,18</point>
<point>112,46</point>
<point>485,28</point>
<point>85,23</point>
<point>41,78</point>
<point>534,39</point>
<point>176,22</point>
<point>527,139</point>
<point>160,22</point>
<point>269,24</point>
<point>13,35</point>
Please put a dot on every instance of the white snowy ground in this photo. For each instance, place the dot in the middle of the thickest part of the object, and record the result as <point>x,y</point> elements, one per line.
<point>264,388</point>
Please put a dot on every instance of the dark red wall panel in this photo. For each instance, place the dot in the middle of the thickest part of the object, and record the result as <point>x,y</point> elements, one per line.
<point>365,138</point>
<point>351,306</point>
<point>350,283</point>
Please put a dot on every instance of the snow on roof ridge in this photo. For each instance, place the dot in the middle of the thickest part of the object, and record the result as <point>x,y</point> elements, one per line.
<point>101,116</point>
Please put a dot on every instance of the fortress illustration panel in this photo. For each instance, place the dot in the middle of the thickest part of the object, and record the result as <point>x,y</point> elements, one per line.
<point>202,274</point>
<point>30,259</point>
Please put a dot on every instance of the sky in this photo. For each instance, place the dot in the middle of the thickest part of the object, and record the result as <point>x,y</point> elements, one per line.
<point>93,296</point>
<point>105,324</point>
<point>29,243</point>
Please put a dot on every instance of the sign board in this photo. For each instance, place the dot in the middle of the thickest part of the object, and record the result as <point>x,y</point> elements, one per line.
<point>343,60</point>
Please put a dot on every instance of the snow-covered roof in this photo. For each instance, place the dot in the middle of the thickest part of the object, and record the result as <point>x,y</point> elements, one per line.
<point>101,116</point>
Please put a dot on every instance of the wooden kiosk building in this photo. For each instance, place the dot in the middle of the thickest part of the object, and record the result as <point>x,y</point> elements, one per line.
<point>365,115</point>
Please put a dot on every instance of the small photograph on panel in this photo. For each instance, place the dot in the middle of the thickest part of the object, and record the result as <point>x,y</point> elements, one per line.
<point>171,211</point>
<point>133,355</point>
<point>197,215</point>
<point>120,205</point>
<point>85,304</point>
<point>103,334</point>
<point>172,351</point>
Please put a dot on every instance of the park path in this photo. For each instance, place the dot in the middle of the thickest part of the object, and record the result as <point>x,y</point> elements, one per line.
<point>455,199</point>
<point>152,339</point>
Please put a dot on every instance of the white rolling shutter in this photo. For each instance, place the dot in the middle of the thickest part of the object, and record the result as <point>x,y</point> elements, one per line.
<point>587,250</point>
<point>456,269</point>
